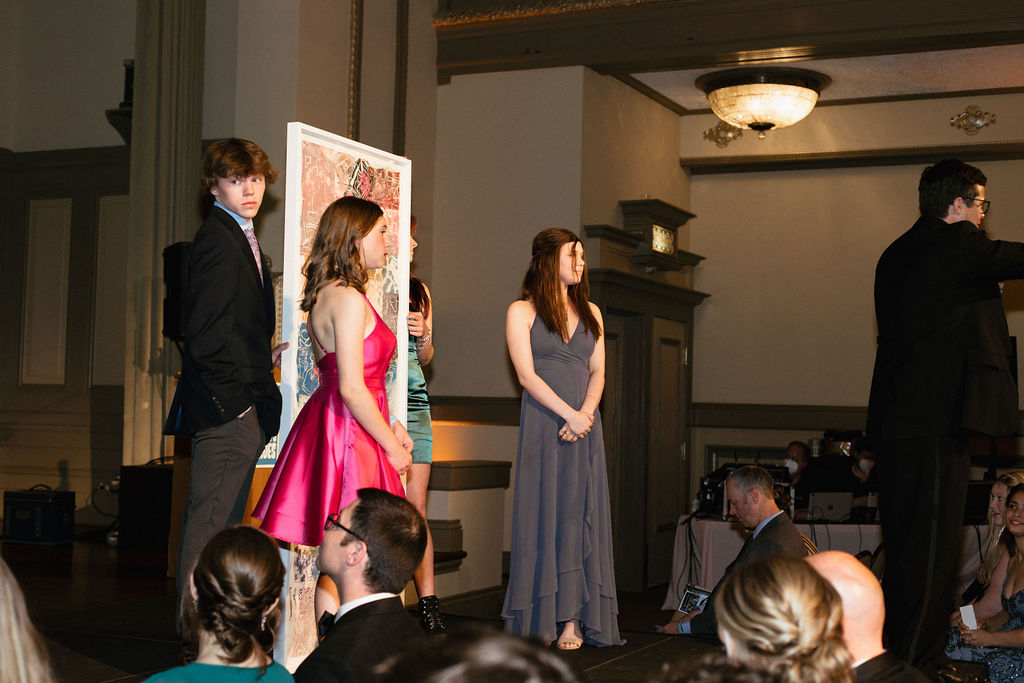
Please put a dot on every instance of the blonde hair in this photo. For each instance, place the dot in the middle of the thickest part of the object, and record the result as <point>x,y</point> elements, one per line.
<point>22,652</point>
<point>993,548</point>
<point>780,615</point>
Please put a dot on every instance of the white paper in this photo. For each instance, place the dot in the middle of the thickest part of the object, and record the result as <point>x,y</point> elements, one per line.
<point>967,614</point>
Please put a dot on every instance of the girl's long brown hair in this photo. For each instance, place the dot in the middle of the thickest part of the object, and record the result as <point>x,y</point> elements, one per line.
<point>541,286</point>
<point>335,254</point>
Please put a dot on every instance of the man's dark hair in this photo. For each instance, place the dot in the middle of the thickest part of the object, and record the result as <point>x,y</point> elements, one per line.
<point>942,183</point>
<point>712,668</point>
<point>395,535</point>
<point>802,446</point>
<point>476,655</point>
<point>235,158</point>
<point>750,477</point>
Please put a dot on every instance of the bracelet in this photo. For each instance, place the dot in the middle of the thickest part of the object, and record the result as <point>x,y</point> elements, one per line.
<point>424,341</point>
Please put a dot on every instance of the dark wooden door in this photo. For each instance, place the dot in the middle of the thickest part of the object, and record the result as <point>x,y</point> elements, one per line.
<point>621,406</point>
<point>666,472</point>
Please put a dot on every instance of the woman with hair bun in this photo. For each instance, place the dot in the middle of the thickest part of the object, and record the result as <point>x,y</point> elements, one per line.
<point>561,579</point>
<point>778,614</point>
<point>234,611</point>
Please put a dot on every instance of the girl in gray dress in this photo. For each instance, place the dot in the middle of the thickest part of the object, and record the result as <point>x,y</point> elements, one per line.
<point>561,578</point>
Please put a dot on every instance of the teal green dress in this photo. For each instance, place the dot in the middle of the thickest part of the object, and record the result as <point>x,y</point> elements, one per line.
<point>419,426</point>
<point>212,673</point>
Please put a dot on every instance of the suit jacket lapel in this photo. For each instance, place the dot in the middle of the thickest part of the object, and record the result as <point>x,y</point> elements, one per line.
<point>239,236</point>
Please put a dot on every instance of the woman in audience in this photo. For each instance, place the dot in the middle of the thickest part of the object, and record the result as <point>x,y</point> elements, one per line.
<point>994,550</point>
<point>781,616</point>
<point>986,590</point>
<point>234,611</point>
<point>23,657</point>
<point>1001,646</point>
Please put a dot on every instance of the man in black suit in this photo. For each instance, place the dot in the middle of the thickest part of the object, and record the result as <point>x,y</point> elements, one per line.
<point>370,550</point>
<point>751,494</point>
<point>863,616</point>
<point>227,398</point>
<point>942,369</point>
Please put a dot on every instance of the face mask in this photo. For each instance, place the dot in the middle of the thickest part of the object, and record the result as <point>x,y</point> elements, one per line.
<point>791,465</point>
<point>865,464</point>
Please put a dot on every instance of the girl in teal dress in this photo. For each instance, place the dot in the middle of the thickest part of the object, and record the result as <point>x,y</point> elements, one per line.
<point>234,611</point>
<point>421,351</point>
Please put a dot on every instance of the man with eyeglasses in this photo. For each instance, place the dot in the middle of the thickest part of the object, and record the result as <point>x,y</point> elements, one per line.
<point>942,370</point>
<point>370,550</point>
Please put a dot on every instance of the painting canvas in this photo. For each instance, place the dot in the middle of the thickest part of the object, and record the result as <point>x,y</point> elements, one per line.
<point>321,168</point>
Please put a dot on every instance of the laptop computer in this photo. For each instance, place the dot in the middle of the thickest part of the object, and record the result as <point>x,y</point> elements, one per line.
<point>829,507</point>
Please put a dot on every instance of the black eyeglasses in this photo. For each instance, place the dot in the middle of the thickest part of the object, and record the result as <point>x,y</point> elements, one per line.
<point>984,204</point>
<point>334,520</point>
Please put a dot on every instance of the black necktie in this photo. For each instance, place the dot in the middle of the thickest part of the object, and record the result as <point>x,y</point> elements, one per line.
<point>324,624</point>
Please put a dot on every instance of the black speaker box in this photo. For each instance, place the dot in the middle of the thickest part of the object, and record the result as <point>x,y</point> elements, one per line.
<point>40,516</point>
<point>175,260</point>
<point>144,517</point>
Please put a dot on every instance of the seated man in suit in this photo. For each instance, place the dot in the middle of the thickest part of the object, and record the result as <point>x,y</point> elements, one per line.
<point>370,550</point>
<point>750,491</point>
<point>863,617</point>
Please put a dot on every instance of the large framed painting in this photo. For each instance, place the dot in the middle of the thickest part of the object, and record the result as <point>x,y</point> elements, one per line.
<point>322,167</point>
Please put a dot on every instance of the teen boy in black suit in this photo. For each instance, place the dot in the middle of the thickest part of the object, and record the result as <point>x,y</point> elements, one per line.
<point>227,398</point>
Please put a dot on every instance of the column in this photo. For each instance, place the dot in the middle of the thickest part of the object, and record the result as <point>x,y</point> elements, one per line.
<point>165,154</point>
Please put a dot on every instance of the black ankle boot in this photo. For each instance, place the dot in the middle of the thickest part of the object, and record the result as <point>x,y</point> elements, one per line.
<point>430,616</point>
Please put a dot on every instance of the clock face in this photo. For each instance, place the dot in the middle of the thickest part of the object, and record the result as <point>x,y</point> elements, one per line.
<point>663,240</point>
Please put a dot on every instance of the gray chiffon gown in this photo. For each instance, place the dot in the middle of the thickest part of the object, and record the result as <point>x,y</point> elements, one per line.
<point>561,560</point>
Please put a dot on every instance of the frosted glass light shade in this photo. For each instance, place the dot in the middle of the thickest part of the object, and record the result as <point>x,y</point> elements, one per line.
<point>762,99</point>
<point>761,106</point>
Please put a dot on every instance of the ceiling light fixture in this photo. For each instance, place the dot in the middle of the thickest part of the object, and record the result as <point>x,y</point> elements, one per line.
<point>762,99</point>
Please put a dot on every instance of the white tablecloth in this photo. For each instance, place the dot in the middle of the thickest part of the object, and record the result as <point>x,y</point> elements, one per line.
<point>714,544</point>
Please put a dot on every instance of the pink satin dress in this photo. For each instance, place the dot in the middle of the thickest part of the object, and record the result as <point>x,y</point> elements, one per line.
<point>328,456</point>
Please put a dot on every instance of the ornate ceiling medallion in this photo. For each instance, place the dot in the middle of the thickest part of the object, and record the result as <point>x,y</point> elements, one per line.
<point>972,119</point>
<point>722,134</point>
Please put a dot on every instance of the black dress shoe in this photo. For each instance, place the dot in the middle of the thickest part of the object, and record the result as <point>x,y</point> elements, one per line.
<point>430,616</point>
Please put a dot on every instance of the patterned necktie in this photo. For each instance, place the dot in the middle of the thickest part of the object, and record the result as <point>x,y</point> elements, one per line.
<point>250,235</point>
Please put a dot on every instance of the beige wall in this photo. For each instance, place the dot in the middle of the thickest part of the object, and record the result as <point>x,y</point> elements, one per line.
<point>572,144</point>
<point>269,62</point>
<point>790,269</point>
<point>507,166</point>
<point>62,69</point>
<point>421,131</point>
<point>790,256</point>
<point>630,149</point>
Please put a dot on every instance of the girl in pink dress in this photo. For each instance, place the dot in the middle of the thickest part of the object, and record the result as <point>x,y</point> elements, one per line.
<point>341,441</point>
